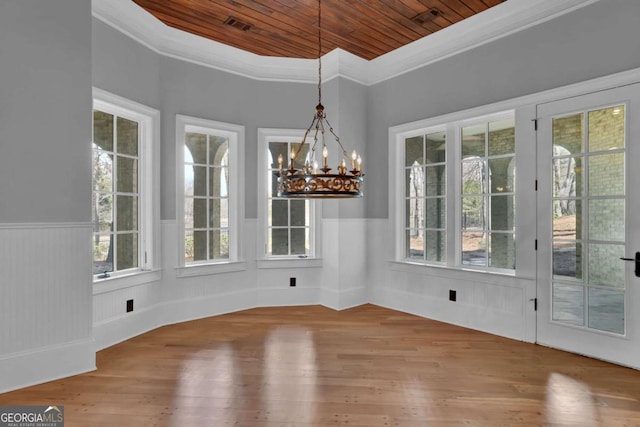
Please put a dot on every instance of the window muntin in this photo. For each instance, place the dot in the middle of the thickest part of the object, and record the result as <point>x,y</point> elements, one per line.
<point>209,191</point>
<point>425,197</point>
<point>289,222</point>
<point>487,188</point>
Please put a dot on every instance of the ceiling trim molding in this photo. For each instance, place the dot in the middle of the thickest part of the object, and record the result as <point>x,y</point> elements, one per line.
<point>499,21</point>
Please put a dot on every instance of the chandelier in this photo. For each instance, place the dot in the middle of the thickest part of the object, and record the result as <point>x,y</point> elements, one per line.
<point>303,178</point>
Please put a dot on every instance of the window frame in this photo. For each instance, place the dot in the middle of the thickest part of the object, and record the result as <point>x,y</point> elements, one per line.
<point>452,125</point>
<point>148,120</point>
<point>235,134</point>
<point>266,136</point>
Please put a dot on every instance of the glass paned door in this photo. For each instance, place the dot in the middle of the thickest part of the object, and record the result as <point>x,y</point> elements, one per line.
<point>585,225</point>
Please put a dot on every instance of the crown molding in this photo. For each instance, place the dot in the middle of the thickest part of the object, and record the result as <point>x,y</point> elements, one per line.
<point>499,21</point>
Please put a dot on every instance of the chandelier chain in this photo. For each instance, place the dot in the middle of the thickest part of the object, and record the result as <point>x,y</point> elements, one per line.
<point>319,54</point>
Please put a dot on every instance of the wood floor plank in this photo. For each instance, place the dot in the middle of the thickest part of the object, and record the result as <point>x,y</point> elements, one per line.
<point>312,366</point>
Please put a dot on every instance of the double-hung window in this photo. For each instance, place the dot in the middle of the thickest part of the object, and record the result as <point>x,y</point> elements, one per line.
<point>123,212</point>
<point>289,226</point>
<point>208,156</point>
<point>455,197</point>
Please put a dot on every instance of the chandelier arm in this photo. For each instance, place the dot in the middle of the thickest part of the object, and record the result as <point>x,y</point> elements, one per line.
<point>344,152</point>
<point>304,137</point>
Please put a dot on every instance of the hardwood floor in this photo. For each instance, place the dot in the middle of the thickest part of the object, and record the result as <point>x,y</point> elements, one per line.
<point>312,366</point>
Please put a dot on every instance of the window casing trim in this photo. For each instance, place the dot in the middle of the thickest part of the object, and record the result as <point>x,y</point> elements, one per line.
<point>236,135</point>
<point>149,172</point>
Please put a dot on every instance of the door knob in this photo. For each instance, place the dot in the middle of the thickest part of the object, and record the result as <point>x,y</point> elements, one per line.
<point>636,260</point>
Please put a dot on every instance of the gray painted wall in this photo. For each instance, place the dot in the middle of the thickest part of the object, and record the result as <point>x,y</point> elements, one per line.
<point>597,40</point>
<point>45,111</point>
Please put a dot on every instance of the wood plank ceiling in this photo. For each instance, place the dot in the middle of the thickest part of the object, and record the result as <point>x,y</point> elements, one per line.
<point>289,28</point>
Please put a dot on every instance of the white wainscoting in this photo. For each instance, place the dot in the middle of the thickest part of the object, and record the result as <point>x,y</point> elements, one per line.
<point>487,302</point>
<point>45,302</point>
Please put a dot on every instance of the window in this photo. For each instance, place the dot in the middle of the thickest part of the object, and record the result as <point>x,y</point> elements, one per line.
<point>487,187</point>
<point>289,230</point>
<point>455,197</point>
<point>122,213</point>
<point>208,154</point>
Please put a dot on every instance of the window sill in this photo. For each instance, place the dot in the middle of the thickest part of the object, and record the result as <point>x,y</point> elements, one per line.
<point>502,277</point>
<point>290,263</point>
<point>114,283</point>
<point>208,269</point>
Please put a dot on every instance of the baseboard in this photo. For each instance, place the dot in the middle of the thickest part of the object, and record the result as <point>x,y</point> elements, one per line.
<point>122,328</point>
<point>46,364</point>
<point>341,300</point>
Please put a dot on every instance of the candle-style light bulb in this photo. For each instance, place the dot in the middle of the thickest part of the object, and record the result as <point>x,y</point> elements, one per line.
<point>315,167</point>
<point>354,156</point>
<point>293,156</point>
<point>359,163</point>
<point>280,162</point>
<point>325,156</point>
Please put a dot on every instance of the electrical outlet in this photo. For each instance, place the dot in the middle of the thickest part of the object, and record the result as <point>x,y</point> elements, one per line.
<point>292,281</point>
<point>129,305</point>
<point>452,295</point>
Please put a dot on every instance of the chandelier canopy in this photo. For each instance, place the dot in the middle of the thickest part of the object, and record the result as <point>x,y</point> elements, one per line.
<point>303,178</point>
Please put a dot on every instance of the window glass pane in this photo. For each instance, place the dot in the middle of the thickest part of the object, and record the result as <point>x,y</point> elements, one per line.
<point>436,213</point>
<point>127,174</point>
<point>502,213</point>
<point>606,175</point>
<point>299,241</point>
<point>199,246</point>
<point>217,211</point>
<point>567,259</point>
<point>414,239</point>
<point>303,155</point>
<point>299,212</point>
<point>568,178</point>
<point>127,251</point>
<point>474,248</point>
<point>103,130</point>
<point>127,137</point>
<point>436,180</point>
<point>196,143</point>
<point>415,213</point>
<point>199,213</point>
<point>473,213</point>
<point>103,212</point>
<point>188,212</point>
<point>606,310</point>
<point>568,303</point>
<point>276,149</point>
<point>502,175</point>
<point>218,182</point>
<point>102,171</point>
<point>199,181</point>
<point>279,213</point>
<point>188,180</point>
<point>568,134</point>
<point>606,129</point>
<point>188,246</point>
<point>127,213</point>
<point>606,220</point>
<point>502,250</point>
<point>567,219</point>
<point>414,181</point>
<point>473,177</point>
<point>279,241</point>
<point>436,147</point>
<point>473,141</point>
<point>219,244</point>
<point>218,150</point>
<point>435,243</point>
<point>102,253</point>
<point>414,150</point>
<point>502,137</point>
<point>604,266</point>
